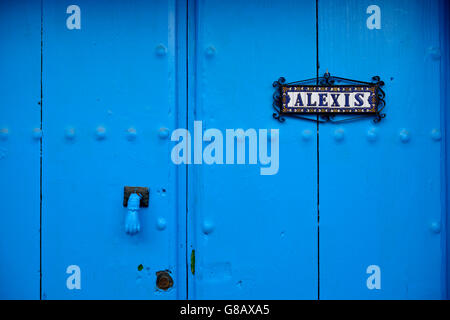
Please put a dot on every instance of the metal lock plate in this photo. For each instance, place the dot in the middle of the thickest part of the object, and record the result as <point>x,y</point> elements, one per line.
<point>144,192</point>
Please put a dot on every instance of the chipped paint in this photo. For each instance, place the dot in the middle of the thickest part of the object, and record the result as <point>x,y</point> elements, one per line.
<point>193,262</point>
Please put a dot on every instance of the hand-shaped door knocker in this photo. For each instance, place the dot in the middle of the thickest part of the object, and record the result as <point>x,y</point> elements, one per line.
<point>132,225</point>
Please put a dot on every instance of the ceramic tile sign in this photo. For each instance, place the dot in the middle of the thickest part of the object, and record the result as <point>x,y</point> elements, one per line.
<point>303,99</point>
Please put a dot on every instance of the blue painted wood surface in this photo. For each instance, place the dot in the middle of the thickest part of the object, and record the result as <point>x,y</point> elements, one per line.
<point>118,73</point>
<point>444,34</point>
<point>20,121</point>
<point>380,186</point>
<point>346,196</point>
<point>254,236</point>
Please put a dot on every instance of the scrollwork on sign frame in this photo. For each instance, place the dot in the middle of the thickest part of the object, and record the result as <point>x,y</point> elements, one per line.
<point>327,83</point>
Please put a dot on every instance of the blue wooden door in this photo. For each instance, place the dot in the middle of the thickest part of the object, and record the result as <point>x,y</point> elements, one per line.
<point>380,184</point>
<point>253,235</point>
<point>356,209</point>
<point>94,92</point>
<point>110,101</point>
<point>20,118</point>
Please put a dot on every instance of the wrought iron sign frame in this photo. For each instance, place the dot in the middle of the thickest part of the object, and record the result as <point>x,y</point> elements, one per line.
<point>328,114</point>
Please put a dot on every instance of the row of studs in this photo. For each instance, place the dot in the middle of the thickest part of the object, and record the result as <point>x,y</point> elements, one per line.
<point>100,133</point>
<point>163,133</point>
<point>404,134</point>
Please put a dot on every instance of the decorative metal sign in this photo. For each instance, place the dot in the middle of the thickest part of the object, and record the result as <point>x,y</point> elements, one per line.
<point>327,99</point>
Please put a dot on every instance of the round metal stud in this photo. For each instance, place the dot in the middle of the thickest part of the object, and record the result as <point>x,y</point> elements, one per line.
<point>435,53</point>
<point>339,134</point>
<point>436,134</point>
<point>405,136</point>
<point>163,133</point>
<point>435,227</point>
<point>306,134</point>
<point>210,51</point>
<point>70,133</point>
<point>161,50</point>
<point>37,133</point>
<point>161,224</point>
<point>207,227</point>
<point>131,134</point>
<point>3,153</point>
<point>100,133</point>
<point>4,133</point>
<point>372,134</point>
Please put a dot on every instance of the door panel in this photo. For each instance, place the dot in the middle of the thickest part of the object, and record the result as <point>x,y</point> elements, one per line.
<point>380,184</point>
<point>20,121</point>
<point>114,90</point>
<point>110,102</point>
<point>253,235</point>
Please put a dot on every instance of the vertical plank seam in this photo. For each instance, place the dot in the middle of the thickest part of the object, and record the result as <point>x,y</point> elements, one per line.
<point>317,138</point>
<point>187,168</point>
<point>40,158</point>
<point>444,28</point>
